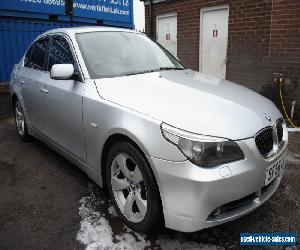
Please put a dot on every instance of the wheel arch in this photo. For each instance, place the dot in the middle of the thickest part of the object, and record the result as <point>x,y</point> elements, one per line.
<point>110,141</point>
<point>118,137</point>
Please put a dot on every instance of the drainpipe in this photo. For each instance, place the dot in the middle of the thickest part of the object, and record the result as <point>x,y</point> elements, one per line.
<point>150,3</point>
<point>150,19</point>
<point>293,109</point>
<point>69,10</point>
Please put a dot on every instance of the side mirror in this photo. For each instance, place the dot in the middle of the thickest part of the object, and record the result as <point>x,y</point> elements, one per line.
<point>62,71</point>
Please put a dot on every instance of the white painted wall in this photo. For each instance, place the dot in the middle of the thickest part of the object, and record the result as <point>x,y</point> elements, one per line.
<point>139,15</point>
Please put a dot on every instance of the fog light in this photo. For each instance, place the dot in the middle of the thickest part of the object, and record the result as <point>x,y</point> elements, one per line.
<point>216,212</point>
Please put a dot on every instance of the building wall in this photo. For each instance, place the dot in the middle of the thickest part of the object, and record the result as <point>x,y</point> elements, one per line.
<point>284,56</point>
<point>188,25</point>
<point>263,39</point>
<point>248,42</point>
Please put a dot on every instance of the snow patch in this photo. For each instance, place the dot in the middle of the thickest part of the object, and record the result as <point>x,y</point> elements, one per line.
<point>128,241</point>
<point>293,129</point>
<point>166,243</point>
<point>96,233</point>
<point>94,228</point>
<point>112,211</point>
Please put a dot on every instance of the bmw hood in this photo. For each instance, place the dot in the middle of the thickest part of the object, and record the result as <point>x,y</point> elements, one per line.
<point>193,102</point>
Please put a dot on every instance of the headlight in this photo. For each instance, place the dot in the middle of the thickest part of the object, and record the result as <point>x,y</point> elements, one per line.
<point>204,151</point>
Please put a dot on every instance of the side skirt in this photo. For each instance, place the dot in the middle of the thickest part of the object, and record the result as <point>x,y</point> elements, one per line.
<point>67,154</point>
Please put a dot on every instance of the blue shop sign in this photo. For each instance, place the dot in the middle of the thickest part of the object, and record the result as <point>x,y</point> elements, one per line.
<point>112,10</point>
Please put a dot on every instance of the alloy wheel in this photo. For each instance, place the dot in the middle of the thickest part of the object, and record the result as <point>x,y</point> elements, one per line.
<point>20,121</point>
<point>129,188</point>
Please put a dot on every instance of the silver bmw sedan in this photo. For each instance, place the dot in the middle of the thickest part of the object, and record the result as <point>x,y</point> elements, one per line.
<point>172,146</point>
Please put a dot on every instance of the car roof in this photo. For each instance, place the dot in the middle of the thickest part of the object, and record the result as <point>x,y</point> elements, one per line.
<point>85,29</point>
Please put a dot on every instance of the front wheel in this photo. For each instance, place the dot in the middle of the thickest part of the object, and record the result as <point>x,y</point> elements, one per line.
<point>20,121</point>
<point>132,188</point>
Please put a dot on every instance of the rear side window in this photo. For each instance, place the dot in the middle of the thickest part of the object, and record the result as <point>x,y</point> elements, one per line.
<point>28,56</point>
<point>35,56</point>
<point>60,52</point>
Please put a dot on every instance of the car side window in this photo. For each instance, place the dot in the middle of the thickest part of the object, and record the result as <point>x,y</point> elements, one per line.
<point>60,52</point>
<point>28,56</point>
<point>35,56</point>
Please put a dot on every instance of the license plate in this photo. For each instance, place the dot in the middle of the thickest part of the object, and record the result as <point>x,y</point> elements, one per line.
<point>273,171</point>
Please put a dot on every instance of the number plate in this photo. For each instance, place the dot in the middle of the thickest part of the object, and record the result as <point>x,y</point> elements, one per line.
<point>274,170</point>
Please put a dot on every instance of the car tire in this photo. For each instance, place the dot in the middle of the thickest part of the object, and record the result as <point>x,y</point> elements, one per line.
<point>21,122</point>
<point>132,195</point>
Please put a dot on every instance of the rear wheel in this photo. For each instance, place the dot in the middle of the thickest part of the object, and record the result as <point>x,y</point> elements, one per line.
<point>20,121</point>
<point>132,188</point>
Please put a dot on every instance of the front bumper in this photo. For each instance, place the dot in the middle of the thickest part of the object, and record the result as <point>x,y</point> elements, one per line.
<point>191,195</point>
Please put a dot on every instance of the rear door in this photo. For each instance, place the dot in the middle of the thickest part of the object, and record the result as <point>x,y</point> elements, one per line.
<point>31,78</point>
<point>63,101</point>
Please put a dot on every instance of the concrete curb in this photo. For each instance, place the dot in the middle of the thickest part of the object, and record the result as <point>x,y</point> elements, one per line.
<point>294,129</point>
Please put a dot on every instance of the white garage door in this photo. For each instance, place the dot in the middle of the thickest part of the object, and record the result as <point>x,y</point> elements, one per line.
<point>167,32</point>
<point>213,41</point>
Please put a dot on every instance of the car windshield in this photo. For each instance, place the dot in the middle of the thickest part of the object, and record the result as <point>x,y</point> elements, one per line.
<point>111,53</point>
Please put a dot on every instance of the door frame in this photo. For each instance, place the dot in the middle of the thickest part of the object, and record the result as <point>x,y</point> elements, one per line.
<point>208,9</point>
<point>171,14</point>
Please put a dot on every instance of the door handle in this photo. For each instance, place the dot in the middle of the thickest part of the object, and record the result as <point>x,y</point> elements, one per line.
<point>44,90</point>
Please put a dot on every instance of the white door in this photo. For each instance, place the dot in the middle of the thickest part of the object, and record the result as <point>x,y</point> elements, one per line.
<point>213,41</point>
<point>167,32</point>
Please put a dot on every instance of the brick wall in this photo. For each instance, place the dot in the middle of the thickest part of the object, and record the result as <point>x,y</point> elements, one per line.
<point>263,38</point>
<point>248,42</point>
<point>284,49</point>
<point>284,54</point>
<point>188,26</point>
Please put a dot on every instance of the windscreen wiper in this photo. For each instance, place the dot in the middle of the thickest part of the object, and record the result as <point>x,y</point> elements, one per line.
<point>171,68</point>
<point>153,70</point>
<point>141,72</point>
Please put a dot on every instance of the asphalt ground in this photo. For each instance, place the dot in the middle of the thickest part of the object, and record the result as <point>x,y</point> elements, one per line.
<point>40,194</point>
<point>5,109</point>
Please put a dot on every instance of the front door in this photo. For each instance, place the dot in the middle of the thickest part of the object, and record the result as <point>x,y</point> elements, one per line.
<point>63,102</point>
<point>167,32</point>
<point>31,78</point>
<point>213,41</point>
